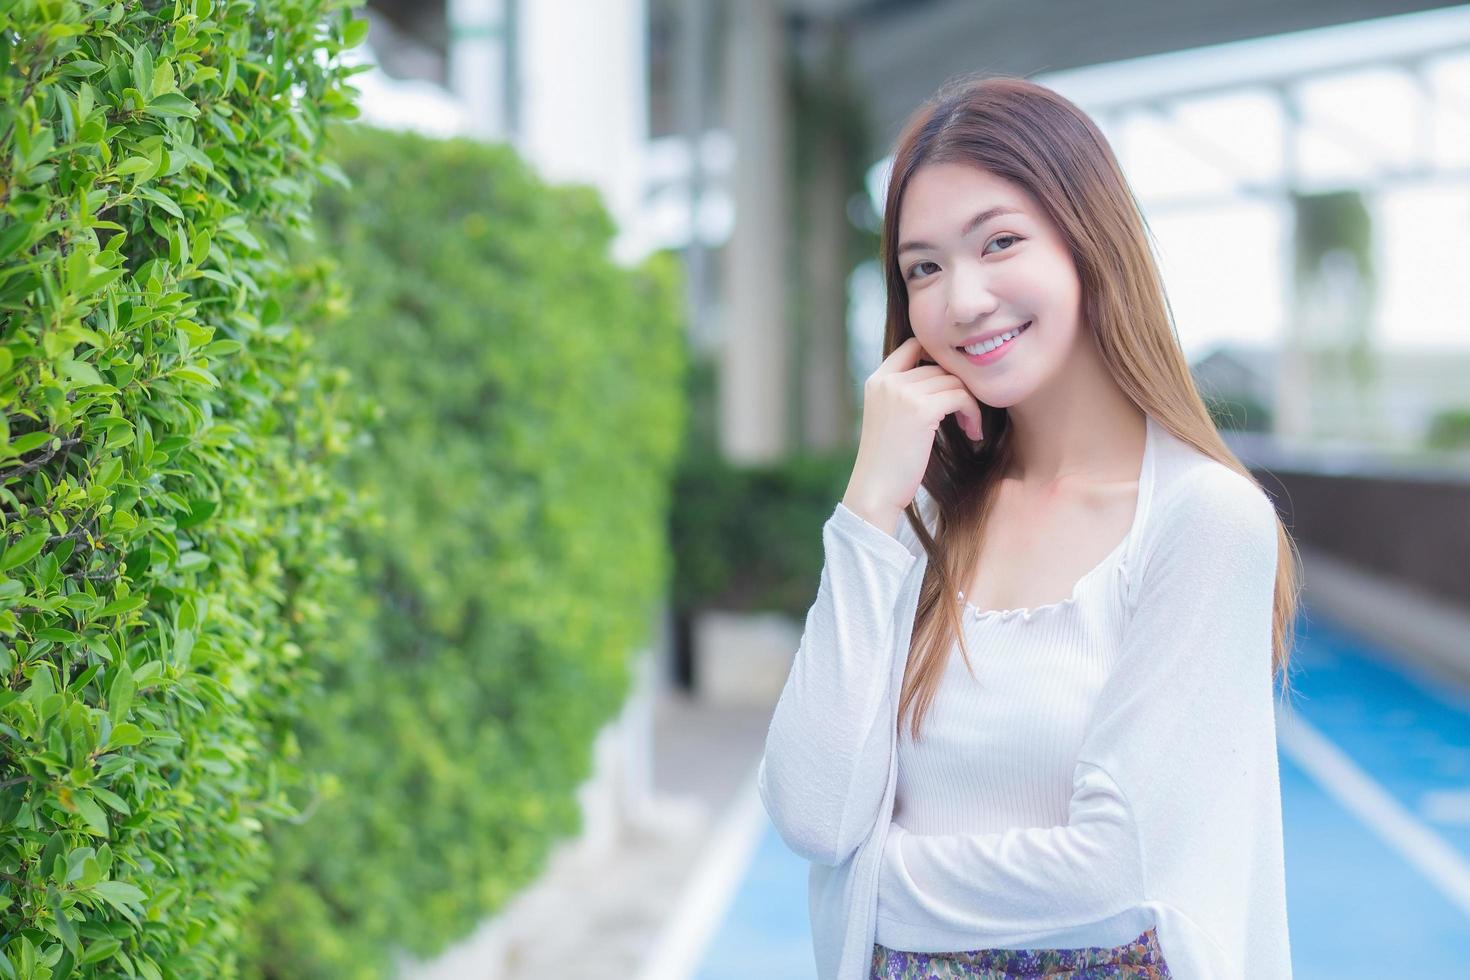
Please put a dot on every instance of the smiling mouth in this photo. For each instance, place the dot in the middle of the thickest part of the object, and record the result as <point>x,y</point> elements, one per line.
<point>1023,328</point>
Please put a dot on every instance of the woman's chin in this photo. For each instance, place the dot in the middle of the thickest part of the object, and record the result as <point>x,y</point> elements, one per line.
<point>998,398</point>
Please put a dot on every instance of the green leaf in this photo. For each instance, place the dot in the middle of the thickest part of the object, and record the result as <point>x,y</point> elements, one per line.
<point>125,604</point>
<point>23,550</point>
<point>143,70</point>
<point>99,279</point>
<point>171,104</point>
<point>85,677</point>
<point>146,675</point>
<point>107,474</point>
<point>220,348</point>
<point>30,441</point>
<point>196,332</point>
<point>100,950</point>
<point>51,852</point>
<point>120,895</point>
<point>124,735</point>
<point>92,814</point>
<point>191,561</point>
<point>356,30</point>
<point>14,235</point>
<point>80,68</point>
<point>120,695</point>
<point>161,199</point>
<point>199,512</point>
<point>120,435</point>
<point>197,375</point>
<point>64,927</point>
<point>81,371</point>
<point>132,165</point>
<point>112,799</point>
<point>163,76</point>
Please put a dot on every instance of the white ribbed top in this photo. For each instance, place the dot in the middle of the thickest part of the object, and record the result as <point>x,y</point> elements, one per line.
<point>999,749</point>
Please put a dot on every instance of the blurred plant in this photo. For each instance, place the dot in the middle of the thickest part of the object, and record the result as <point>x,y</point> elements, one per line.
<point>529,408</point>
<point>1240,413</point>
<point>1336,287</point>
<point>750,538</point>
<point>1449,429</point>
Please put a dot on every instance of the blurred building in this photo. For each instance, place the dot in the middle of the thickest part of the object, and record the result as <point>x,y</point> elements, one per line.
<point>565,81</point>
<point>751,136</point>
<point>1413,387</point>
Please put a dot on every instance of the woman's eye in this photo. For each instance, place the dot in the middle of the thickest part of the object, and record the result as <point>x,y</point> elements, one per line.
<point>1002,238</point>
<point>915,268</point>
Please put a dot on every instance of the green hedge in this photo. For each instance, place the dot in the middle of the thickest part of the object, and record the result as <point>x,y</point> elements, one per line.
<point>750,537</point>
<point>746,538</point>
<point>167,529</point>
<point>529,403</point>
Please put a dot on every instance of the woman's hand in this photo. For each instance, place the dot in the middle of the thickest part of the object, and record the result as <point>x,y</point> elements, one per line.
<point>903,403</point>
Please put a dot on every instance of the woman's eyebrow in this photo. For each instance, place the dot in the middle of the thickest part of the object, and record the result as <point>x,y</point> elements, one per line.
<point>974,223</point>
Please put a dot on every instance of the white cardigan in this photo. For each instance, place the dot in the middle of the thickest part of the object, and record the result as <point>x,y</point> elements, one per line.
<point>1174,814</point>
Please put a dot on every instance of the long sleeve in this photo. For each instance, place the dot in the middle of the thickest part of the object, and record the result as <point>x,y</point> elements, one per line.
<point>1176,793</point>
<point>1021,883</point>
<point>827,753</point>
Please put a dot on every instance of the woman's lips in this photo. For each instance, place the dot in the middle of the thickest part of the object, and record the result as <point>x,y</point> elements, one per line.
<point>995,353</point>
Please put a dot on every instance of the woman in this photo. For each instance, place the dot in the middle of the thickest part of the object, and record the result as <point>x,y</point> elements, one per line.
<point>1096,790</point>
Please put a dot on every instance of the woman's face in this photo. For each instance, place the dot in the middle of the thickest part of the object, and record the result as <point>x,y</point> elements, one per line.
<point>969,280</point>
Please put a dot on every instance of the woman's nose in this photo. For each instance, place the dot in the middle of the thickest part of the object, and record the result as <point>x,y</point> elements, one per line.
<point>970,295</point>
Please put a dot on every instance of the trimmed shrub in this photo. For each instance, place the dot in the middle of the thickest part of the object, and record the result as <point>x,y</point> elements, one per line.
<point>746,538</point>
<point>749,538</point>
<point>167,529</point>
<point>529,408</point>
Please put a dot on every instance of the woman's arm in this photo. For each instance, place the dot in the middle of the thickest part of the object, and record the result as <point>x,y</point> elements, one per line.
<point>1011,885</point>
<point>827,753</point>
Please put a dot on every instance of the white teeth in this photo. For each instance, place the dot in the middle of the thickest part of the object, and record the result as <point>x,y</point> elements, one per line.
<point>994,342</point>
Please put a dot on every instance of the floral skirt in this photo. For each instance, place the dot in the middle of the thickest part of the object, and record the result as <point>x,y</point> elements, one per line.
<point>1141,959</point>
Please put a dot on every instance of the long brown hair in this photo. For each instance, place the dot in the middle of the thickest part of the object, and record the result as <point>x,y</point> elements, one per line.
<point>1032,136</point>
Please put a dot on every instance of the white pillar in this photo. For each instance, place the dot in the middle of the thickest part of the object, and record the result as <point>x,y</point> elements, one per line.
<point>478,64</point>
<point>693,118</point>
<point>755,386</point>
<point>823,383</point>
<point>583,101</point>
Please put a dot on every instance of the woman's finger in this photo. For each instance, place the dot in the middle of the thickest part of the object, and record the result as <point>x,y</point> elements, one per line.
<point>904,356</point>
<point>942,381</point>
<point>959,402</point>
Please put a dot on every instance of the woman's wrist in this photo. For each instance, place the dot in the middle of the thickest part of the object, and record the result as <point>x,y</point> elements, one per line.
<point>883,516</point>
